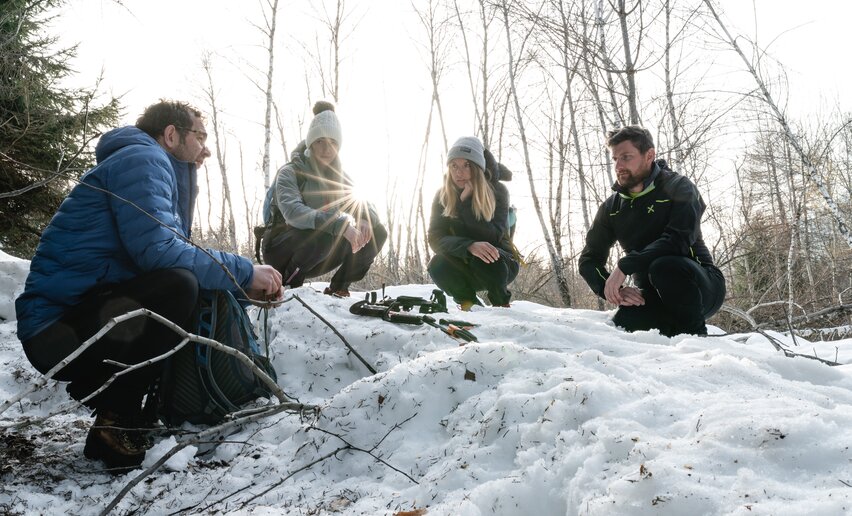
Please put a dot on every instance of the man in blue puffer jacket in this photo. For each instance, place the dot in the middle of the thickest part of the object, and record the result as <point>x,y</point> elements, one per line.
<point>119,242</point>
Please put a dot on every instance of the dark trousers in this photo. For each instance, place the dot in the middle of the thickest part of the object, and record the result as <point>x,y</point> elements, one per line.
<point>679,296</point>
<point>299,254</point>
<point>461,279</point>
<point>172,293</point>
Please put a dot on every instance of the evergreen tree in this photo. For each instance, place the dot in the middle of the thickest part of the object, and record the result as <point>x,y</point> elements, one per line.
<point>45,130</point>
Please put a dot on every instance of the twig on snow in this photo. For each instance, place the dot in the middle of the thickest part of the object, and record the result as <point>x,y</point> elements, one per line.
<point>349,346</point>
<point>201,437</point>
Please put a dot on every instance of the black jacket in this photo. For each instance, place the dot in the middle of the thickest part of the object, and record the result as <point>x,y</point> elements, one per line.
<point>453,235</point>
<point>664,220</point>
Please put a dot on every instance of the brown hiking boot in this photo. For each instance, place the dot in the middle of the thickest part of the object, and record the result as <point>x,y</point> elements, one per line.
<point>336,293</point>
<point>117,442</point>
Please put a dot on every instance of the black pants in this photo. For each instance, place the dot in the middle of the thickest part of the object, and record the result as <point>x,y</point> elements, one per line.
<point>299,254</point>
<point>172,293</point>
<point>461,279</point>
<point>679,296</point>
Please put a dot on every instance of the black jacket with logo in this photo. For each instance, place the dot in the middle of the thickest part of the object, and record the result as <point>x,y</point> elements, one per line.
<point>662,220</point>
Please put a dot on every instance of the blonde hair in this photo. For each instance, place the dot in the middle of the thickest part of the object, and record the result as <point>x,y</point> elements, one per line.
<point>482,200</point>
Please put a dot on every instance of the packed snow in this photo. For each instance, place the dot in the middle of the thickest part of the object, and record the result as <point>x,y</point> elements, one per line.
<point>553,411</point>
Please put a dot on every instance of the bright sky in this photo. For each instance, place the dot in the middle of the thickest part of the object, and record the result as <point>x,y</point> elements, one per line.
<point>155,51</point>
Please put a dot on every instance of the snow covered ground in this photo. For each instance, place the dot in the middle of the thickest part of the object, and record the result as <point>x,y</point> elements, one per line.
<point>554,411</point>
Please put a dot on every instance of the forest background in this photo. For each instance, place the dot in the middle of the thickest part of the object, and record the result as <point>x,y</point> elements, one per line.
<point>538,81</point>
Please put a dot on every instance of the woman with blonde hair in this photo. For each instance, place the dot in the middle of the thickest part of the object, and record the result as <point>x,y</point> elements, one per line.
<point>468,229</point>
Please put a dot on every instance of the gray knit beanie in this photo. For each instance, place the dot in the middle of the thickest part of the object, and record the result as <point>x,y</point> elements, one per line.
<point>324,125</point>
<point>469,148</point>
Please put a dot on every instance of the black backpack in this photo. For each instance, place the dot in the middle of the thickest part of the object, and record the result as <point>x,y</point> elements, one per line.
<point>201,385</point>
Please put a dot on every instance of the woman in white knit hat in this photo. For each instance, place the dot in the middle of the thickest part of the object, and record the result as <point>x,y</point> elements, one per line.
<point>469,230</point>
<point>317,225</point>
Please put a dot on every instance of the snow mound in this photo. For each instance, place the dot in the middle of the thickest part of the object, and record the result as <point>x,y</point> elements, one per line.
<point>552,412</point>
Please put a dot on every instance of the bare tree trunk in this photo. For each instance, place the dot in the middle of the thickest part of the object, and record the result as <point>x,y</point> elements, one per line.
<point>250,224</point>
<point>269,32</point>
<point>794,141</point>
<point>629,68</point>
<point>602,49</point>
<point>556,260</point>
<point>673,118</point>
<point>227,205</point>
<point>592,86</point>
<point>334,24</point>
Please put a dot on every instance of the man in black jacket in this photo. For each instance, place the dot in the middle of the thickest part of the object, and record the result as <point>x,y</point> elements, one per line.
<point>655,215</point>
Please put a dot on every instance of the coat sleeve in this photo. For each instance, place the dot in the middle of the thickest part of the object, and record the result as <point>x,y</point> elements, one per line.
<point>443,235</point>
<point>157,241</point>
<point>599,242</point>
<point>491,231</point>
<point>296,212</point>
<point>681,232</point>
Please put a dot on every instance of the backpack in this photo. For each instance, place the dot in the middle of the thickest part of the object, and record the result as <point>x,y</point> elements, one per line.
<point>271,214</point>
<point>201,385</point>
<point>497,171</point>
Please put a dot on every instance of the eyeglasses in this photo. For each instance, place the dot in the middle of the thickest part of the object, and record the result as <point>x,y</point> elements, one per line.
<point>199,134</point>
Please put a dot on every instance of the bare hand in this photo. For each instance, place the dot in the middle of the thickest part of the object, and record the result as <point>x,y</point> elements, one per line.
<point>612,289</point>
<point>631,296</point>
<point>484,251</point>
<point>355,238</point>
<point>266,281</point>
<point>366,231</point>
<point>467,191</point>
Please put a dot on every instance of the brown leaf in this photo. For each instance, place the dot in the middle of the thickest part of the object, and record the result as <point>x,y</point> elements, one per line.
<point>415,512</point>
<point>381,399</point>
<point>469,375</point>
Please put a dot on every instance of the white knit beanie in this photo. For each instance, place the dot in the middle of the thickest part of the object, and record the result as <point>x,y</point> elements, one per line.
<point>469,148</point>
<point>324,125</point>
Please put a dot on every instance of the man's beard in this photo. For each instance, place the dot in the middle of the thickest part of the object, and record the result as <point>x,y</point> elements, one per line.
<point>632,180</point>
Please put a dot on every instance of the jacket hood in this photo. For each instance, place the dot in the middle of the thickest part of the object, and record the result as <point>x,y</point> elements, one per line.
<point>119,138</point>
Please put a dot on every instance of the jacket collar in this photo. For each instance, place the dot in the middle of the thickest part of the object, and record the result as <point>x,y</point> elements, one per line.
<point>647,185</point>
<point>186,178</point>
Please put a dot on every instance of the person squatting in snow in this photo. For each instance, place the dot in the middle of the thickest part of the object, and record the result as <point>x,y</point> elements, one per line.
<point>655,215</point>
<point>317,225</point>
<point>101,257</point>
<point>468,229</point>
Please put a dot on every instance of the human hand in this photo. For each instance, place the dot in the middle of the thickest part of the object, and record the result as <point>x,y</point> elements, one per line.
<point>612,288</point>
<point>355,238</point>
<point>631,296</point>
<point>484,251</point>
<point>467,191</point>
<point>366,231</point>
<point>265,283</point>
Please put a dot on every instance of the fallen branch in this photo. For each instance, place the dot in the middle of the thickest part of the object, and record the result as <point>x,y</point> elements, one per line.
<point>267,381</point>
<point>347,446</point>
<point>204,436</point>
<point>777,344</point>
<point>349,346</point>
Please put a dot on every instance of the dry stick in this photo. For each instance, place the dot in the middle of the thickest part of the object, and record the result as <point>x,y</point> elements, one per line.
<point>157,317</point>
<point>203,436</point>
<point>349,346</point>
<point>369,452</point>
<point>289,476</point>
<point>348,446</point>
<point>772,340</point>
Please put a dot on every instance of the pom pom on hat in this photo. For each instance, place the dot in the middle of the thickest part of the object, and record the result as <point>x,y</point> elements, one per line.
<point>469,148</point>
<point>324,125</point>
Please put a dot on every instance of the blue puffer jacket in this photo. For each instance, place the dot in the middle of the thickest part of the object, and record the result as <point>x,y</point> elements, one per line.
<point>96,239</point>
